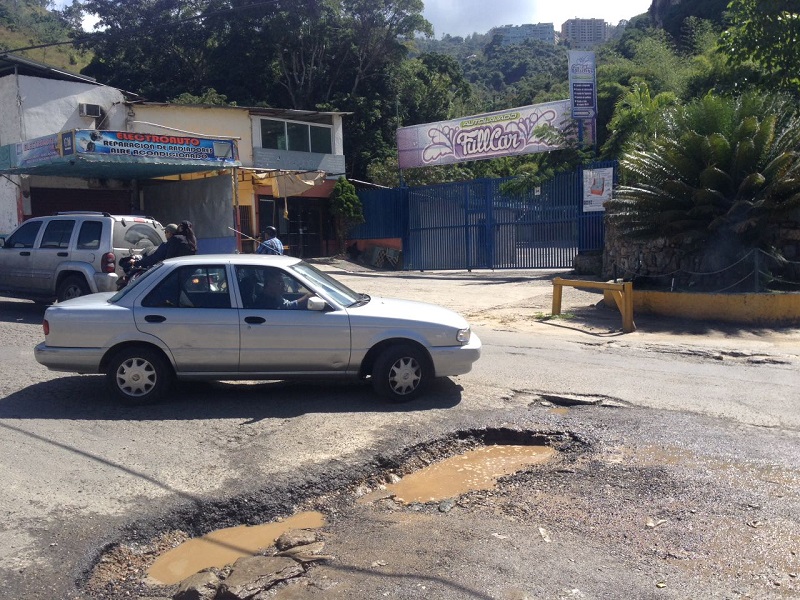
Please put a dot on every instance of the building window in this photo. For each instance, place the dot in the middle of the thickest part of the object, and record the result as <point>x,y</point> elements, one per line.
<point>297,133</point>
<point>273,134</point>
<point>321,139</point>
<point>298,137</point>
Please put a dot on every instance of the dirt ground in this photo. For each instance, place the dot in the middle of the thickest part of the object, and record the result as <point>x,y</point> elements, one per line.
<point>522,301</point>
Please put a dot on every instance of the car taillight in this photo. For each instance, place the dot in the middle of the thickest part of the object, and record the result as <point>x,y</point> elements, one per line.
<point>109,262</point>
<point>46,327</point>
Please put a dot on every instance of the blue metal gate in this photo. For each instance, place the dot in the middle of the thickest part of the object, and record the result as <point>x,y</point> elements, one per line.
<point>475,225</point>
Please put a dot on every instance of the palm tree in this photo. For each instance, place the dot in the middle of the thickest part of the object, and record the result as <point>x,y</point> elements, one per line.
<point>720,178</point>
<point>637,119</point>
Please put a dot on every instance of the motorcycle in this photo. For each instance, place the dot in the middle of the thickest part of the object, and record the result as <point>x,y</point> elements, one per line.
<point>130,270</point>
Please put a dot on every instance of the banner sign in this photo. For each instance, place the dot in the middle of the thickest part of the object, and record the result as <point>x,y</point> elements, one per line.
<point>37,150</point>
<point>597,185</point>
<point>490,135</point>
<point>582,84</point>
<point>149,145</point>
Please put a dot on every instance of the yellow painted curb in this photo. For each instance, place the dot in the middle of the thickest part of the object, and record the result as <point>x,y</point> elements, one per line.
<point>762,309</point>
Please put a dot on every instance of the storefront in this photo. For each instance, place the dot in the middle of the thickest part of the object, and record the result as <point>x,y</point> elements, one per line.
<point>169,177</point>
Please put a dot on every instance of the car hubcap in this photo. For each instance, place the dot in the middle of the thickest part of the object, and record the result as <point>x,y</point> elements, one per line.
<point>404,376</point>
<point>136,377</point>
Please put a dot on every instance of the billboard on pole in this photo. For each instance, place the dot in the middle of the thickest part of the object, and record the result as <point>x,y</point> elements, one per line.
<point>582,84</point>
<point>489,135</point>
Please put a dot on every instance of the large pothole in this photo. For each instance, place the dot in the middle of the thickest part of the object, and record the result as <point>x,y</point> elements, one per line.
<point>436,472</point>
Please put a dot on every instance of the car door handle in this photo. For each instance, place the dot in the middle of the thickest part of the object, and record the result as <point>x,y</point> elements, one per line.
<point>255,320</point>
<point>63,254</point>
<point>155,318</point>
<point>24,253</point>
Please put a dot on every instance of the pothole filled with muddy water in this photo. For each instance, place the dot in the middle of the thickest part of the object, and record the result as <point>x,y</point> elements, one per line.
<point>225,546</point>
<point>472,470</point>
<point>447,468</point>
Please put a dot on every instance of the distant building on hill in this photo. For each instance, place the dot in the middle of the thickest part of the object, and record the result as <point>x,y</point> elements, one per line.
<point>516,34</point>
<point>585,33</point>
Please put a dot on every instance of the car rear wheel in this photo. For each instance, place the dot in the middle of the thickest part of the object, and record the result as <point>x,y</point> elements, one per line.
<point>401,372</point>
<point>138,375</point>
<point>72,287</point>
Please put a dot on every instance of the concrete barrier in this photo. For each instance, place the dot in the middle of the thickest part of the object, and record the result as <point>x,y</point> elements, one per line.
<point>757,309</point>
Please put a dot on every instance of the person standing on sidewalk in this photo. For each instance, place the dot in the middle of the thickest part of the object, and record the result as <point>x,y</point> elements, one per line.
<point>271,243</point>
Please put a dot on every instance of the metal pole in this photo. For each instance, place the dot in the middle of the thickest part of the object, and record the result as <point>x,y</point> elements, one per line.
<point>756,269</point>
<point>235,184</point>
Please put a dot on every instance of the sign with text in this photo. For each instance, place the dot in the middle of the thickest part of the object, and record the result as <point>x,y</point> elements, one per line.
<point>597,186</point>
<point>38,150</point>
<point>150,145</point>
<point>582,84</point>
<point>490,135</point>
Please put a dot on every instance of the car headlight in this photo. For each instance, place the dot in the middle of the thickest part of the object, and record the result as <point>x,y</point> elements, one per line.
<point>464,335</point>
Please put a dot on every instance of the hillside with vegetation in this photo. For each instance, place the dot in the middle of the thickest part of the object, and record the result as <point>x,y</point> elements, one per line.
<point>34,25</point>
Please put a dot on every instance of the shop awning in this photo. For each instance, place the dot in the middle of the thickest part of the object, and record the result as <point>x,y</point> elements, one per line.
<point>116,155</point>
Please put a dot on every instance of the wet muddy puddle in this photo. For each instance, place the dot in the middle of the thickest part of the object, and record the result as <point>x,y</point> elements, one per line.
<point>224,546</point>
<point>474,470</point>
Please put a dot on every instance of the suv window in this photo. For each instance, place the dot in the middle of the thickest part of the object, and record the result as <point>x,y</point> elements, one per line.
<point>89,235</point>
<point>57,234</point>
<point>135,235</point>
<point>24,236</point>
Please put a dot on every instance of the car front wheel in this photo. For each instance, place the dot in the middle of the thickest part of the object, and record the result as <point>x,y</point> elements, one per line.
<point>138,375</point>
<point>72,287</point>
<point>401,373</point>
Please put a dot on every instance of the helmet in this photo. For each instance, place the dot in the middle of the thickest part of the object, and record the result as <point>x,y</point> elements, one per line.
<point>270,231</point>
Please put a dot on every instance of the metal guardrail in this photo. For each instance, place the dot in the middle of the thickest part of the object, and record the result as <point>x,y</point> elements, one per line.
<point>621,292</point>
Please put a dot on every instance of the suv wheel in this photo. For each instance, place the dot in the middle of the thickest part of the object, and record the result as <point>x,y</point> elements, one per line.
<point>72,287</point>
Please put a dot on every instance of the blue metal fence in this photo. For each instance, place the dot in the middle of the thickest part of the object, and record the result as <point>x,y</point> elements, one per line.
<point>474,224</point>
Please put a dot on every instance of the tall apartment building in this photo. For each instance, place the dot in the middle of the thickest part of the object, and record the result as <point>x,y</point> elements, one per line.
<point>515,34</point>
<point>584,33</point>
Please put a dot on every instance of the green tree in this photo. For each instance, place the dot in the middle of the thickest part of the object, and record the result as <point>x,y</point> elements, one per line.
<point>637,119</point>
<point>766,31</point>
<point>346,210</point>
<point>719,181</point>
<point>209,97</point>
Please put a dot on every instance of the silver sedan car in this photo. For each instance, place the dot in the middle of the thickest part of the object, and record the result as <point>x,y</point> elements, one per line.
<point>234,317</point>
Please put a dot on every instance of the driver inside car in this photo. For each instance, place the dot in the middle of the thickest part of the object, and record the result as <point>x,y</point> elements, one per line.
<point>268,293</point>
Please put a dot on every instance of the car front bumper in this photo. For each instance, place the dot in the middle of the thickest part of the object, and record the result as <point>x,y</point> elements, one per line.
<point>449,361</point>
<point>70,360</point>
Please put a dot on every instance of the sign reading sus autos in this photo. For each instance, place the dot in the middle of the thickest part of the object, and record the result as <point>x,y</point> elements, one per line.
<point>490,135</point>
<point>150,145</point>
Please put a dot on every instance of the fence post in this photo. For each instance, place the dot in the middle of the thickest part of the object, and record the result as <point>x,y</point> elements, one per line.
<point>756,269</point>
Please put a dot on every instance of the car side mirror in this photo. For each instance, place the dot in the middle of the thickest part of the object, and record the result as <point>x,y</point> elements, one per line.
<point>316,303</point>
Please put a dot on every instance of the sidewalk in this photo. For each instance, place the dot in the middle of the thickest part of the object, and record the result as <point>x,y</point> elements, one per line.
<point>521,300</point>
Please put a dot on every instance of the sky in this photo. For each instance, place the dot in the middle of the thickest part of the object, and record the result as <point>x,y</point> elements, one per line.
<point>464,17</point>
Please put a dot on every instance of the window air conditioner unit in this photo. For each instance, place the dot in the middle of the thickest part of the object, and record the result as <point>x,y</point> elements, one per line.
<point>90,110</point>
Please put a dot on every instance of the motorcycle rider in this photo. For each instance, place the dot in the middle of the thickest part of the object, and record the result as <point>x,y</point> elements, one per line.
<point>181,241</point>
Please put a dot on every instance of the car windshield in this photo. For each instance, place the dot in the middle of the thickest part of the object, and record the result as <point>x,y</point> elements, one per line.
<point>338,292</point>
<point>121,294</point>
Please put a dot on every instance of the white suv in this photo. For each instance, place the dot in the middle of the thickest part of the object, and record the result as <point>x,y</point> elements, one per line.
<point>72,253</point>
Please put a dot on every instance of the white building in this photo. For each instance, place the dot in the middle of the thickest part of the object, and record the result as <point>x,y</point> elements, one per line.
<point>276,148</point>
<point>516,34</point>
<point>584,33</point>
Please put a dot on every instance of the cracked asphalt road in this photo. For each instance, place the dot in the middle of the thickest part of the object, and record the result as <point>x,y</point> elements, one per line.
<point>697,437</point>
